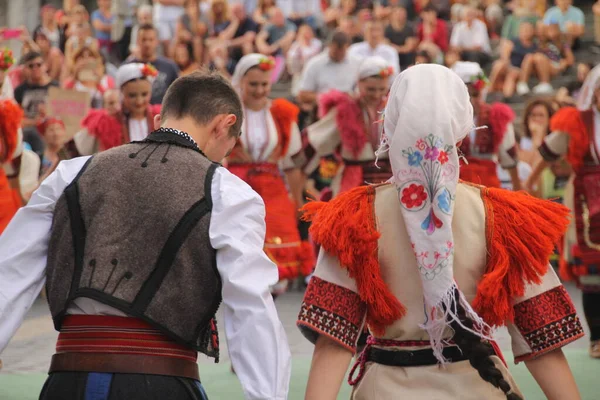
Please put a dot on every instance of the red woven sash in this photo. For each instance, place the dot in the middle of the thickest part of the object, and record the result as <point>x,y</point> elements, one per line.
<point>117,335</point>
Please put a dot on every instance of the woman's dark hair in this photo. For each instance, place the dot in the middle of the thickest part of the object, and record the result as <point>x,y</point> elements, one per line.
<point>478,352</point>
<point>530,106</point>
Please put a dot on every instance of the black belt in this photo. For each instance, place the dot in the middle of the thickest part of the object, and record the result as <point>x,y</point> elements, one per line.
<point>413,358</point>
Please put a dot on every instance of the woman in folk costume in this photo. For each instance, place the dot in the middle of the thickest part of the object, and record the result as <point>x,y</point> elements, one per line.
<point>133,122</point>
<point>262,159</point>
<point>431,265</point>
<point>494,140</point>
<point>348,128</point>
<point>576,137</point>
<point>19,168</point>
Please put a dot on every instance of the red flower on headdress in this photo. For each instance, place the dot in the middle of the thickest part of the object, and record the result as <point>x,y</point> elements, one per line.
<point>413,196</point>
<point>386,72</point>
<point>149,70</point>
<point>266,63</point>
<point>6,59</point>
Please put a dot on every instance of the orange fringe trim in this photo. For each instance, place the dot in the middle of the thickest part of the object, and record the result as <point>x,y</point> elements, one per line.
<point>521,234</point>
<point>11,116</point>
<point>284,113</point>
<point>345,227</point>
<point>569,120</point>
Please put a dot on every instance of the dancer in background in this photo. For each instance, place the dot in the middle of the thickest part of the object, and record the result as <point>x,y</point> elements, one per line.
<point>104,130</point>
<point>349,129</point>
<point>493,141</point>
<point>576,137</point>
<point>430,265</point>
<point>262,158</point>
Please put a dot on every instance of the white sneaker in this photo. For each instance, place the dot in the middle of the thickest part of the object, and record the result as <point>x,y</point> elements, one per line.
<point>522,88</point>
<point>543,88</point>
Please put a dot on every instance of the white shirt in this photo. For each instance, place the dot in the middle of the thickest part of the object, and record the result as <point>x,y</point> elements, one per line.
<point>310,7</point>
<point>477,35</point>
<point>256,339</point>
<point>322,74</point>
<point>138,129</point>
<point>363,50</point>
<point>257,133</point>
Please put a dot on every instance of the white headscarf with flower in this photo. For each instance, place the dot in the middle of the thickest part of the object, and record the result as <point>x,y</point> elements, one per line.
<point>375,66</point>
<point>427,113</point>
<point>249,61</point>
<point>130,72</point>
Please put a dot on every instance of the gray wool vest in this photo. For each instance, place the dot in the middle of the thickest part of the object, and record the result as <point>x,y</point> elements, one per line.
<point>131,231</point>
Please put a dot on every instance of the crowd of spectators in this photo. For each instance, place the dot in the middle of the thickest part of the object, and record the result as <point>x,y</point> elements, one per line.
<point>316,44</point>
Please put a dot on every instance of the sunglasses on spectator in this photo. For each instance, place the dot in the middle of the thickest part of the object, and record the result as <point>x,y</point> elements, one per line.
<point>34,65</point>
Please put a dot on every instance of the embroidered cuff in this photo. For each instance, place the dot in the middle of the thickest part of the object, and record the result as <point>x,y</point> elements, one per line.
<point>331,310</point>
<point>547,321</point>
<point>547,154</point>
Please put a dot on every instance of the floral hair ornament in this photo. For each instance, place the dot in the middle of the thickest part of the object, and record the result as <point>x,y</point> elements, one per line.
<point>148,70</point>
<point>479,81</point>
<point>386,72</point>
<point>266,63</point>
<point>6,59</point>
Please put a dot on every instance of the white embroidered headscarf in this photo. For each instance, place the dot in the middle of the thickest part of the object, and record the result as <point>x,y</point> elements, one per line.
<point>130,72</point>
<point>591,83</point>
<point>374,66</point>
<point>427,113</point>
<point>247,62</point>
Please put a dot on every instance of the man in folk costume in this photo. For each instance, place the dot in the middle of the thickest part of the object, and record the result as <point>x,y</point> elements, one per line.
<point>103,130</point>
<point>138,246</point>
<point>493,141</point>
<point>269,136</point>
<point>348,128</point>
<point>431,265</point>
<point>576,137</point>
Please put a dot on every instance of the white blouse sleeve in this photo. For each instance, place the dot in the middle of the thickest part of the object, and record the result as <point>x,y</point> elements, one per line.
<point>294,147</point>
<point>256,339</point>
<point>24,248</point>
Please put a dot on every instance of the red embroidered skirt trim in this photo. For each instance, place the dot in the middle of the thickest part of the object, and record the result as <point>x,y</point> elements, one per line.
<point>10,201</point>
<point>117,335</point>
<point>358,173</point>
<point>480,172</point>
<point>292,256</point>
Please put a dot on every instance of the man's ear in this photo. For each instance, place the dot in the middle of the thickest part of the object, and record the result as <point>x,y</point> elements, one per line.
<point>226,121</point>
<point>157,121</point>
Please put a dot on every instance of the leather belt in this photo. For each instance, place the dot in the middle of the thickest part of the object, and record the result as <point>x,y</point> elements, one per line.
<point>124,364</point>
<point>412,358</point>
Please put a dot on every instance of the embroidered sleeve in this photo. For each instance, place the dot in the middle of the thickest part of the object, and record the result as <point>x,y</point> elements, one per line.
<point>331,305</point>
<point>544,319</point>
<point>554,146</point>
<point>507,151</point>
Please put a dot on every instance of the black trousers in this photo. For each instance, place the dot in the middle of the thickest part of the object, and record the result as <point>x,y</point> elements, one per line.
<point>101,386</point>
<point>591,309</point>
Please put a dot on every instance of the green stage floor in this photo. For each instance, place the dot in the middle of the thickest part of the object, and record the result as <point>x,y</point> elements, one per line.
<point>222,385</point>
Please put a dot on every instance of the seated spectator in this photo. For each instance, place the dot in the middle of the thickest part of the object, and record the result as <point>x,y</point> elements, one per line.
<point>53,57</point>
<point>301,12</point>
<point>470,38</point>
<point>374,45</point>
<point>31,96</point>
<point>111,101</point>
<point>49,26</point>
<point>55,137</point>
<point>494,16</point>
<point>305,47</point>
<point>344,8</point>
<point>236,40</point>
<point>432,33</point>
<point>401,36</point>
<point>332,69</point>
<point>147,42</point>
<point>451,57</point>
<point>275,39</point>
<point>383,9</point>
<point>77,15</point>
<point>349,25</point>
<point>88,75</point>
<point>166,15</point>
<point>570,19</point>
<point>512,56</point>
<point>144,17</point>
<point>525,11</point>
<point>423,57</point>
<point>102,20</point>
<point>553,58</point>
<point>82,37</point>
<point>261,14</point>
<point>220,17</point>
<point>570,93</point>
<point>191,30</point>
<point>184,60</point>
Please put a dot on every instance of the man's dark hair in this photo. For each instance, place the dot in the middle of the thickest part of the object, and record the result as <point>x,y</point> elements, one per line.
<point>202,95</point>
<point>340,39</point>
<point>429,8</point>
<point>147,27</point>
<point>32,55</point>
